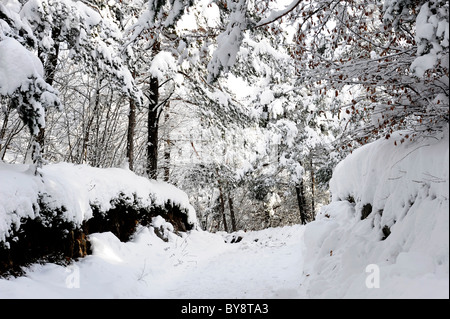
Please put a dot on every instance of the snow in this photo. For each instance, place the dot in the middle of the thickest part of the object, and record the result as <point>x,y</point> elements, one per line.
<point>400,250</point>
<point>266,97</point>
<point>17,65</point>
<point>212,14</point>
<point>274,15</point>
<point>423,63</point>
<point>90,16</point>
<point>394,174</point>
<point>407,186</point>
<point>162,63</point>
<point>425,29</point>
<point>339,255</point>
<point>228,42</point>
<point>77,187</point>
<point>432,36</point>
<point>196,265</point>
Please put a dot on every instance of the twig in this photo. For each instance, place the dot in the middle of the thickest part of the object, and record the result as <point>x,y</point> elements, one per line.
<point>409,154</point>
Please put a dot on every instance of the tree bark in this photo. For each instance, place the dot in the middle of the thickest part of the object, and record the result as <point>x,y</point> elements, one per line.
<point>167,161</point>
<point>86,158</point>
<point>299,189</point>
<point>222,208</point>
<point>3,131</point>
<point>232,214</point>
<point>130,134</point>
<point>313,182</point>
<point>167,149</point>
<point>152,125</point>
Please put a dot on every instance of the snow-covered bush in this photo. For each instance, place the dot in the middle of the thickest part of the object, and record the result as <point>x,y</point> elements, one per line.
<point>405,233</point>
<point>51,214</point>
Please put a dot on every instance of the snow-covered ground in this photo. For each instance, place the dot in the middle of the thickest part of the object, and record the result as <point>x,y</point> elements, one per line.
<point>198,265</point>
<point>398,249</point>
<point>268,264</point>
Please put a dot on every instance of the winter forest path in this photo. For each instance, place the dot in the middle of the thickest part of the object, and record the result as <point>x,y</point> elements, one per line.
<point>200,265</point>
<point>264,264</point>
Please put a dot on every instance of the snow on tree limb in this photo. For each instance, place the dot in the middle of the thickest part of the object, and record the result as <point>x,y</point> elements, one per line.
<point>277,15</point>
<point>229,42</point>
<point>21,78</point>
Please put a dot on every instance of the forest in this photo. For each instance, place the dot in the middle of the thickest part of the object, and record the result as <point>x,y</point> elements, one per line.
<point>247,106</point>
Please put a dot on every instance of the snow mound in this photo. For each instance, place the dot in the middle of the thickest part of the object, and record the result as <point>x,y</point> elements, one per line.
<point>388,222</point>
<point>78,188</point>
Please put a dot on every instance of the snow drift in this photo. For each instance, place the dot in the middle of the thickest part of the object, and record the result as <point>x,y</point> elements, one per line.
<point>390,212</point>
<point>78,188</point>
<point>53,212</point>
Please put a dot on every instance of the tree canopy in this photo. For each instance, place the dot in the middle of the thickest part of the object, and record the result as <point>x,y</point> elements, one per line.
<point>247,105</point>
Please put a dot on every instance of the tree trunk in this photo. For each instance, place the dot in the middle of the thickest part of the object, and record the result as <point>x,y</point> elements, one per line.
<point>130,134</point>
<point>86,158</point>
<point>167,161</point>
<point>167,149</point>
<point>299,189</point>
<point>3,131</point>
<point>232,215</point>
<point>222,208</point>
<point>152,124</point>
<point>313,203</point>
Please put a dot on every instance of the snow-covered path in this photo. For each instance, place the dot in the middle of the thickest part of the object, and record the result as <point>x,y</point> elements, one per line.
<point>264,264</point>
<point>327,258</point>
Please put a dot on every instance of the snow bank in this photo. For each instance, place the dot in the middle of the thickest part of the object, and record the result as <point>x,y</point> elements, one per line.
<point>77,188</point>
<point>389,221</point>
